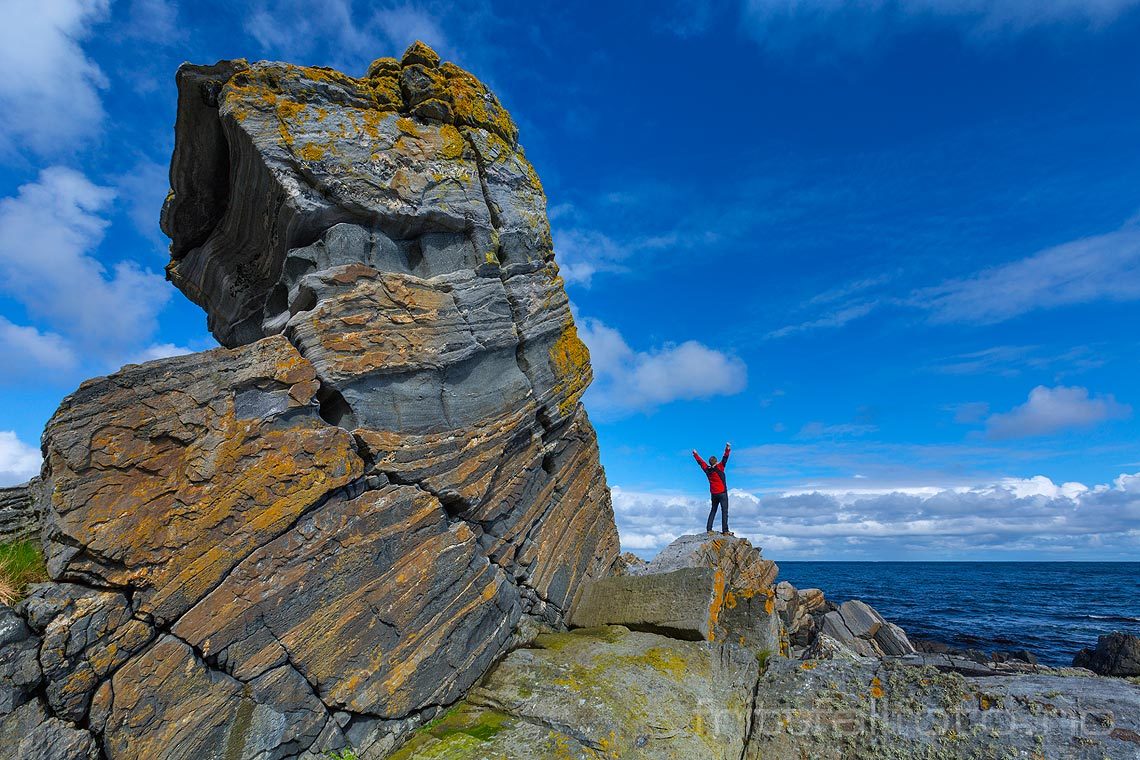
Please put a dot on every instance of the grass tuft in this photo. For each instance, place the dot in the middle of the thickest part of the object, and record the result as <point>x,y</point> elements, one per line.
<point>21,564</point>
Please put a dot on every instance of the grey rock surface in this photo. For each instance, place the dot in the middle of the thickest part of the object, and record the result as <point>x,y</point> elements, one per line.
<point>20,673</point>
<point>21,511</point>
<point>679,604</point>
<point>841,710</point>
<point>602,693</point>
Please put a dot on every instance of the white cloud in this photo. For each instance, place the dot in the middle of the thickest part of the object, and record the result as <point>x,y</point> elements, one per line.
<point>27,352</point>
<point>18,460</point>
<point>628,380</point>
<point>843,430</point>
<point>48,232</point>
<point>158,351</point>
<point>155,21</point>
<point>1101,268</point>
<point>1008,515</point>
<point>837,318</point>
<point>49,94</point>
<point>297,29</point>
<point>781,25</point>
<point>1050,410</point>
<point>404,24</point>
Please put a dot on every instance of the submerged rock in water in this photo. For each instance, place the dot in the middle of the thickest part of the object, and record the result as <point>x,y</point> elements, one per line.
<point>321,533</point>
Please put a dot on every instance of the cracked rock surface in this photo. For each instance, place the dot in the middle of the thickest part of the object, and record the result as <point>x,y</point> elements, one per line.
<point>324,532</point>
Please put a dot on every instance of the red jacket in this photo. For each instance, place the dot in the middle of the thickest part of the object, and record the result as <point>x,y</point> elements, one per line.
<point>715,473</point>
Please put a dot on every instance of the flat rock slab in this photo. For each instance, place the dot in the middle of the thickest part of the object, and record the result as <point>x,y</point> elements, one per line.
<point>698,588</point>
<point>602,693</point>
<point>836,710</point>
<point>681,604</point>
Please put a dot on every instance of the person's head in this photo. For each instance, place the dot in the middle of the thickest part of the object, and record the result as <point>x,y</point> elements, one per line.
<point>712,460</point>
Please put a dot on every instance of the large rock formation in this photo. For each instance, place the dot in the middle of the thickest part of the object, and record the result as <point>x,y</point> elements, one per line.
<point>322,533</point>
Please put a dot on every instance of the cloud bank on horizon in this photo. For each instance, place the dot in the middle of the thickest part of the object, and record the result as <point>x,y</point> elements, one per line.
<point>1013,519</point>
<point>895,259</point>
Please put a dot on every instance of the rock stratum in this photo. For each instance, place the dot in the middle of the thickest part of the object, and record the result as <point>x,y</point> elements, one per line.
<point>316,536</point>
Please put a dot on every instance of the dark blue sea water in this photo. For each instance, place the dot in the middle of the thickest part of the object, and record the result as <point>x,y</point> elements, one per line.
<point>1053,609</point>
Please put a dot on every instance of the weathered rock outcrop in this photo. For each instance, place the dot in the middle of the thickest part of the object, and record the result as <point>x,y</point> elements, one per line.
<point>603,693</point>
<point>700,588</point>
<point>1116,654</point>
<point>322,533</point>
<point>21,510</point>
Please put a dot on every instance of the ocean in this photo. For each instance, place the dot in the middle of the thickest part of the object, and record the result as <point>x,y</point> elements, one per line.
<point>1052,609</point>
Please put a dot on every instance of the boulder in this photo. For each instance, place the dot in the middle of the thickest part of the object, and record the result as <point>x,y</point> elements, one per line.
<point>858,627</point>
<point>1116,654</point>
<point>602,692</point>
<point>741,563</point>
<point>322,532</point>
<point>628,563</point>
<point>698,588</point>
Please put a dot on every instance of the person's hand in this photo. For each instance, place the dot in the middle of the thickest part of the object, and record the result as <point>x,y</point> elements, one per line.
<point>694,451</point>
<point>728,445</point>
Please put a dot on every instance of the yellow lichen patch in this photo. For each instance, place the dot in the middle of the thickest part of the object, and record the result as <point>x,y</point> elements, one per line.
<point>452,142</point>
<point>570,359</point>
<point>407,126</point>
<point>474,106</point>
<point>808,665</point>
<point>313,152</point>
<point>717,602</point>
<point>876,688</point>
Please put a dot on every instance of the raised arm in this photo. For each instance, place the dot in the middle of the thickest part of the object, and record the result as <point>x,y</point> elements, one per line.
<point>704,465</point>
<point>727,451</point>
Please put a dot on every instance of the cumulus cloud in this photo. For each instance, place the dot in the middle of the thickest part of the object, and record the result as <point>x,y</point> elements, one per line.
<point>1100,268</point>
<point>18,460</point>
<point>159,351</point>
<point>1051,410</point>
<point>1032,515</point>
<point>785,24</point>
<point>48,233</point>
<point>28,352</point>
<point>627,380</point>
<point>49,94</point>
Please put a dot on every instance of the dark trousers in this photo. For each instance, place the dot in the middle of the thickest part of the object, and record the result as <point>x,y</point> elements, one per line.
<point>721,500</point>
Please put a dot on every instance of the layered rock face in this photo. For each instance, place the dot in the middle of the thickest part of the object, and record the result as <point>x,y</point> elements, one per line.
<point>318,535</point>
<point>21,510</point>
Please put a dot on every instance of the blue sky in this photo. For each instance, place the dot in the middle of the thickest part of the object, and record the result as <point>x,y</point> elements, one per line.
<point>891,250</point>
